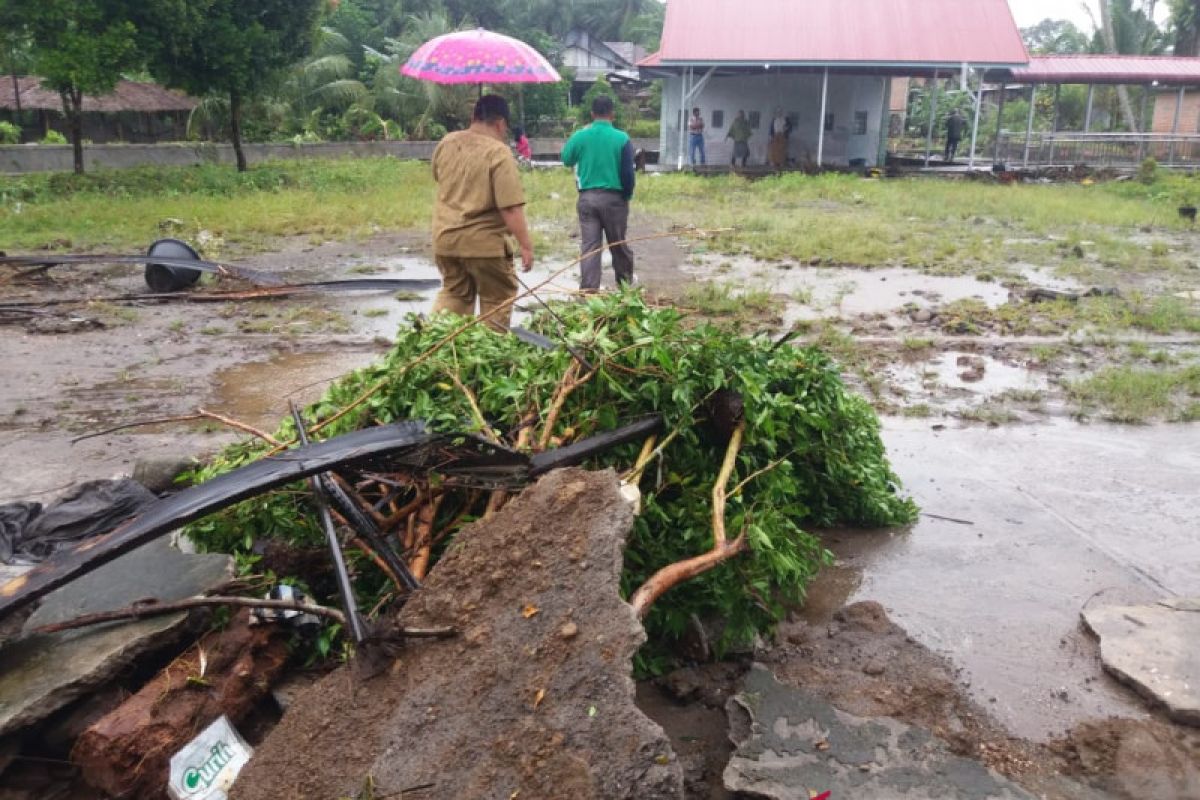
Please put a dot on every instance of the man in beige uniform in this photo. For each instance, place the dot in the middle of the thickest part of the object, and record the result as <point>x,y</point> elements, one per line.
<point>480,202</point>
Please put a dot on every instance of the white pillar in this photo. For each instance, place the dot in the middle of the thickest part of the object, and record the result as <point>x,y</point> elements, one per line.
<point>821,128</point>
<point>1087,115</point>
<point>975,125</point>
<point>683,82</point>
<point>1054,125</point>
<point>1029,123</point>
<point>932,117</point>
<point>1175,124</point>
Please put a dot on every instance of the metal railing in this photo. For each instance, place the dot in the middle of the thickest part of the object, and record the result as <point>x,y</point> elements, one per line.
<point>1096,149</point>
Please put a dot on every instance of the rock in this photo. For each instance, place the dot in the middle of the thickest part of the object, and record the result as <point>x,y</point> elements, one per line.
<point>42,673</point>
<point>683,685</point>
<point>875,667</point>
<point>569,631</point>
<point>1153,649</point>
<point>922,315</point>
<point>976,367</point>
<point>866,616</point>
<point>158,473</point>
<point>521,710</point>
<point>791,744</point>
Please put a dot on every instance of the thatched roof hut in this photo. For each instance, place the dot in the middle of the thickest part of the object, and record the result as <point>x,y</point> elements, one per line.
<point>132,112</point>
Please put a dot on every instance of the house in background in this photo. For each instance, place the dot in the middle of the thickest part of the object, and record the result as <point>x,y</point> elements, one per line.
<point>828,64</point>
<point>589,58</point>
<point>133,112</point>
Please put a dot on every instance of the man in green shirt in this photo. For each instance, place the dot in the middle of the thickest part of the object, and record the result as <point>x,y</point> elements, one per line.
<point>740,132</point>
<point>603,160</point>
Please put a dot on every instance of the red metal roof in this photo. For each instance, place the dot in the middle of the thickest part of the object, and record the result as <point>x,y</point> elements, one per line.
<point>839,32</point>
<point>1110,69</point>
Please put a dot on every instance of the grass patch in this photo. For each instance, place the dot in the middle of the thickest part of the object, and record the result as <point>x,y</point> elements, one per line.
<point>719,300</point>
<point>375,312</point>
<point>1127,394</point>
<point>947,227</point>
<point>918,411</point>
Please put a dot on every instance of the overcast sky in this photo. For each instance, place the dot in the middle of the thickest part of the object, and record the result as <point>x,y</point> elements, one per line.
<point>1031,12</point>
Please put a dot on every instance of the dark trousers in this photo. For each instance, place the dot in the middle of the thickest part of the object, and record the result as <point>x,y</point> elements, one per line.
<point>951,148</point>
<point>603,215</point>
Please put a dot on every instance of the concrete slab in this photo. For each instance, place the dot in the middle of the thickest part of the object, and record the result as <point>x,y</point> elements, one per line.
<point>1153,649</point>
<point>40,674</point>
<point>1062,516</point>
<point>792,745</point>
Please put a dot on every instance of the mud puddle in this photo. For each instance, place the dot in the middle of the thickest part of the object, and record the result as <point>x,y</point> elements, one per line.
<point>258,392</point>
<point>1024,527</point>
<point>818,292</point>
<point>957,380</point>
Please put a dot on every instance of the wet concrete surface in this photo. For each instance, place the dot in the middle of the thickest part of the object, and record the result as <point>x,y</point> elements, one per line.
<point>1034,523</point>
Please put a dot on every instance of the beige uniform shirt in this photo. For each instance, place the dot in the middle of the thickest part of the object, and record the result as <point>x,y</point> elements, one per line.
<point>476,176</point>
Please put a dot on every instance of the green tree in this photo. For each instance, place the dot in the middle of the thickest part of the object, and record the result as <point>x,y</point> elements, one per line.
<point>1055,37</point>
<point>236,48</point>
<point>78,47</point>
<point>601,87</point>
<point>1185,21</point>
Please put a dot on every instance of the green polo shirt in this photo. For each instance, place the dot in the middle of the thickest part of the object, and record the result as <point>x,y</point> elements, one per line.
<point>595,153</point>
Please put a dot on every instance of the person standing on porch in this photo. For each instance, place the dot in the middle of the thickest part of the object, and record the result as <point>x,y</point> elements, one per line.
<point>696,137</point>
<point>740,133</point>
<point>603,160</point>
<point>956,123</point>
<point>780,130</point>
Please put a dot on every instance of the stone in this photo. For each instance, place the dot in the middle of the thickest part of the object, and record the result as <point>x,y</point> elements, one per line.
<point>922,315</point>
<point>158,473</point>
<point>1152,648</point>
<point>518,712</point>
<point>791,744</point>
<point>41,673</point>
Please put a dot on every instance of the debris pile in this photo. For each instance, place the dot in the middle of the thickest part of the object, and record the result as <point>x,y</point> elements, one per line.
<point>758,438</point>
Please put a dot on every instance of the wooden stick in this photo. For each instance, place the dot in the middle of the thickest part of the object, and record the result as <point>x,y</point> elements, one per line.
<point>672,575</point>
<point>426,518</point>
<point>156,609</point>
<point>200,413</point>
<point>476,412</point>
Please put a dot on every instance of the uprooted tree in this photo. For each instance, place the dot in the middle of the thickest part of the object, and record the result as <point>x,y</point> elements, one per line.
<point>759,440</point>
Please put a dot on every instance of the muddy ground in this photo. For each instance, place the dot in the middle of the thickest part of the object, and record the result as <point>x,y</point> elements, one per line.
<point>1025,523</point>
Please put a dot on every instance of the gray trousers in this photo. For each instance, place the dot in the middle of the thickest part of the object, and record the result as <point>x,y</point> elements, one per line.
<point>603,215</point>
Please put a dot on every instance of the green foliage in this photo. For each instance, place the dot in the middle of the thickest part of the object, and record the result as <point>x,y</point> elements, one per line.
<point>1129,394</point>
<point>816,445</point>
<point>9,133</point>
<point>53,137</point>
<point>643,129</point>
<point>601,87</point>
<point>1055,37</point>
<point>1148,172</point>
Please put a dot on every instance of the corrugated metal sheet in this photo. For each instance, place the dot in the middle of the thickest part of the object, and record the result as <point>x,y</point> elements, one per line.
<point>1166,70</point>
<point>128,96</point>
<point>832,32</point>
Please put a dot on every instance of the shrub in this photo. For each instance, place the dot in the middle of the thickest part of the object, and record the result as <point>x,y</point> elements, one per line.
<point>9,133</point>
<point>54,137</point>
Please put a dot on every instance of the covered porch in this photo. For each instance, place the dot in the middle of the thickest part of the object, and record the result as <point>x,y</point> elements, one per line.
<point>1162,85</point>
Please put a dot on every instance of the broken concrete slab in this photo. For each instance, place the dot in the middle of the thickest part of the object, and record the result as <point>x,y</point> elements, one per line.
<point>791,744</point>
<point>40,674</point>
<point>1152,648</point>
<point>534,698</point>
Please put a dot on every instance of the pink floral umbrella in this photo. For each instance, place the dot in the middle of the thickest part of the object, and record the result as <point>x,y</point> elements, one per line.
<point>478,56</point>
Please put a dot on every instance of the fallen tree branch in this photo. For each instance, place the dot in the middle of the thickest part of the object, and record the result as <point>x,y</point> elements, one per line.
<point>156,609</point>
<point>672,575</point>
<point>370,391</point>
<point>200,413</point>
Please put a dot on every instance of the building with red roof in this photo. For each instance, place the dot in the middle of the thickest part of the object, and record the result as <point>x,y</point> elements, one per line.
<point>828,67</point>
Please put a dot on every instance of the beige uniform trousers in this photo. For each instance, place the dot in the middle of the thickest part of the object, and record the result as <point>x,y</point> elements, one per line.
<point>493,281</point>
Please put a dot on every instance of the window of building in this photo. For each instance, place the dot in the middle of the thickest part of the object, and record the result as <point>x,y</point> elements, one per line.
<point>718,119</point>
<point>755,119</point>
<point>860,123</point>
<point>829,123</point>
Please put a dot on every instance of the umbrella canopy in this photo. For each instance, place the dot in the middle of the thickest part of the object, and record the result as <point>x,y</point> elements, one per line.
<point>478,56</point>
